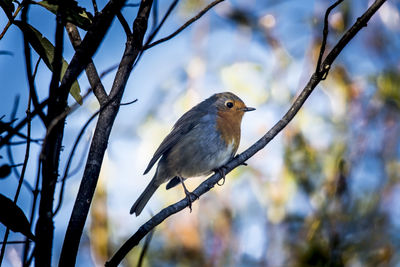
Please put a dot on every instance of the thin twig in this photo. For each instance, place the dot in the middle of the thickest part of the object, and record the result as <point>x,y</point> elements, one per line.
<point>91,72</point>
<point>15,131</point>
<point>325,35</point>
<point>155,31</point>
<point>9,151</point>
<point>184,26</point>
<point>36,68</point>
<point>96,10</point>
<point>157,28</point>
<point>81,160</point>
<point>124,24</point>
<point>128,103</point>
<point>145,248</point>
<point>78,138</point>
<point>154,15</point>
<point>25,260</point>
<point>31,82</point>
<point>248,153</point>
<point>11,20</point>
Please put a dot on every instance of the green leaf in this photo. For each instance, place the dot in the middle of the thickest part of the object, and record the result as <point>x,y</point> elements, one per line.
<point>14,218</point>
<point>45,49</point>
<point>74,13</point>
<point>7,6</point>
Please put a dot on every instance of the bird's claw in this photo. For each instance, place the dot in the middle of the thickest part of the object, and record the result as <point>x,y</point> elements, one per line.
<point>221,172</point>
<point>188,195</point>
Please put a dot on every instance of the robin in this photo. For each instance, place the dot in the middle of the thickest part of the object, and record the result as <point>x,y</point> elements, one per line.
<point>202,141</point>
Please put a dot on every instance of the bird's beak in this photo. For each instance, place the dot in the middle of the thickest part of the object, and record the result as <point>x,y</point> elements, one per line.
<point>245,109</point>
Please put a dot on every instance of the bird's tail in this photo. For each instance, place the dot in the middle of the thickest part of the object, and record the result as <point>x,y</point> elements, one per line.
<point>144,197</point>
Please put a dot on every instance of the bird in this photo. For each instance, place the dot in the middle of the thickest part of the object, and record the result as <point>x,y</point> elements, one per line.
<point>202,141</point>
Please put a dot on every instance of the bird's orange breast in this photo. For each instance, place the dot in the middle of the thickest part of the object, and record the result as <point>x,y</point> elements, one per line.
<point>228,125</point>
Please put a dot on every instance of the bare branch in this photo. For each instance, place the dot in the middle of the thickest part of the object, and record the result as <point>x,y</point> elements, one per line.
<point>325,34</point>
<point>155,15</point>
<point>101,136</point>
<point>124,24</point>
<point>9,151</point>
<point>96,10</point>
<point>14,131</point>
<point>51,148</point>
<point>260,144</point>
<point>26,261</point>
<point>145,248</point>
<point>128,103</point>
<point>89,45</point>
<point>32,90</point>
<point>184,26</point>
<point>157,28</point>
<point>64,178</point>
<point>11,20</point>
<point>91,72</point>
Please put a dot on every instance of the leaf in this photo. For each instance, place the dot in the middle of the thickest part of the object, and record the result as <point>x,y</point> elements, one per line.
<point>74,13</point>
<point>45,49</point>
<point>8,7</point>
<point>14,218</point>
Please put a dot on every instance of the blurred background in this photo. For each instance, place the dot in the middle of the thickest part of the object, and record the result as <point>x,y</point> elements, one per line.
<point>324,192</point>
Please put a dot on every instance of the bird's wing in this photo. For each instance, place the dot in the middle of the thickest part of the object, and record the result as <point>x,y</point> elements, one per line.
<point>186,123</point>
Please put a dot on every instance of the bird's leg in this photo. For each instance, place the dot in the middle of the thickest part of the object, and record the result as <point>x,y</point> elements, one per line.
<point>221,171</point>
<point>187,193</point>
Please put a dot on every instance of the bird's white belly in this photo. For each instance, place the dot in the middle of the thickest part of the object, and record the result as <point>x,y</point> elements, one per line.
<point>221,157</point>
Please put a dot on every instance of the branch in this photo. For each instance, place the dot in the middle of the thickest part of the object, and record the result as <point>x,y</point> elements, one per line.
<point>260,144</point>
<point>96,10</point>
<point>71,154</point>
<point>51,150</point>
<point>31,83</point>
<point>124,24</point>
<point>158,27</point>
<point>184,26</point>
<point>155,15</point>
<point>11,20</point>
<point>14,131</point>
<point>89,45</point>
<point>145,248</point>
<point>91,72</point>
<point>9,151</point>
<point>325,35</point>
<point>36,191</point>
<point>100,138</point>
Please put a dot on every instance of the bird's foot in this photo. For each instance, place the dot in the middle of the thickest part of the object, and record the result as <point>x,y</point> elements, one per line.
<point>188,194</point>
<point>221,170</point>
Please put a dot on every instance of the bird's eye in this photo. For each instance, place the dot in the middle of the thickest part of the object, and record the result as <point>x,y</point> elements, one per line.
<point>229,104</point>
